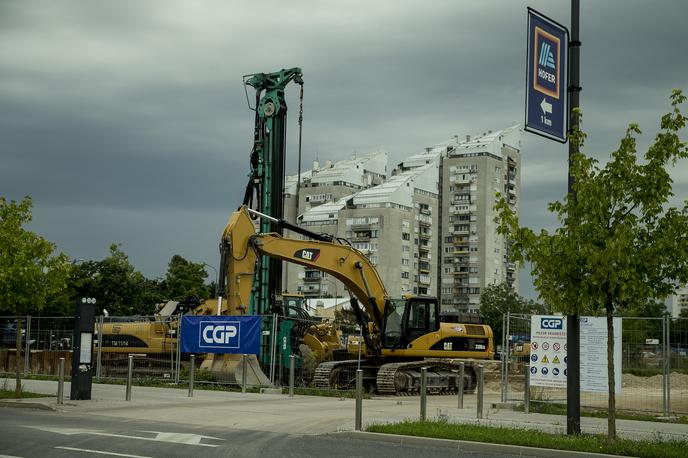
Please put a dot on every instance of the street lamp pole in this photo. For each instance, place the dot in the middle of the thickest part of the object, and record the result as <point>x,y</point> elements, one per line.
<point>217,288</point>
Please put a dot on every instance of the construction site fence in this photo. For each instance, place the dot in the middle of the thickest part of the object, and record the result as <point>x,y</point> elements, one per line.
<point>152,340</point>
<point>654,367</point>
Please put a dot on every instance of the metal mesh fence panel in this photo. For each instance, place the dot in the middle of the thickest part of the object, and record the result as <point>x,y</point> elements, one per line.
<point>151,340</point>
<point>677,388</point>
<point>516,356</point>
<point>44,341</point>
<point>654,367</point>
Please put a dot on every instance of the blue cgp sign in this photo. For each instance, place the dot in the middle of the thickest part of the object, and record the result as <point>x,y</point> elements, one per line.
<point>547,77</point>
<point>221,334</point>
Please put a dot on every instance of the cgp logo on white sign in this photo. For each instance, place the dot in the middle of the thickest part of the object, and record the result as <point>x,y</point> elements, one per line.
<point>220,334</point>
<point>551,323</point>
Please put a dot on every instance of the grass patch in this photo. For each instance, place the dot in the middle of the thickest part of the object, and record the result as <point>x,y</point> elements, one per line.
<point>10,394</point>
<point>560,409</point>
<point>531,438</point>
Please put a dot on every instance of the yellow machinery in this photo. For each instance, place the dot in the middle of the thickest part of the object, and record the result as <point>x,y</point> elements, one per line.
<point>156,338</point>
<point>399,335</point>
<point>320,339</point>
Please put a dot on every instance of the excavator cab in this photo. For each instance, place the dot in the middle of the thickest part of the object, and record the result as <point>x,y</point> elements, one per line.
<point>407,319</point>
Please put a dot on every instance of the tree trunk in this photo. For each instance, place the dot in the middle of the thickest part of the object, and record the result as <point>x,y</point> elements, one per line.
<point>611,416</point>
<point>18,361</point>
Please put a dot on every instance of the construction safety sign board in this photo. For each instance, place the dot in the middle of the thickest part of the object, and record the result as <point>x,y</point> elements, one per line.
<point>548,353</point>
<point>547,78</point>
<point>220,334</point>
<point>547,333</point>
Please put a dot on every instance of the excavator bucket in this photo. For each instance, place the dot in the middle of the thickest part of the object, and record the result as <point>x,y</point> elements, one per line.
<point>229,368</point>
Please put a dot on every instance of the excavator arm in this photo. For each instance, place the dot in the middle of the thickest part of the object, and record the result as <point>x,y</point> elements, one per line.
<point>241,246</point>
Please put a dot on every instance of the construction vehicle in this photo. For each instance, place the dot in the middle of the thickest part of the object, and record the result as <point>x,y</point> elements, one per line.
<point>399,335</point>
<point>155,339</point>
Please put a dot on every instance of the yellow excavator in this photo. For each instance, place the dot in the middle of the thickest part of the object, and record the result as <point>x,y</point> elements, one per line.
<point>399,335</point>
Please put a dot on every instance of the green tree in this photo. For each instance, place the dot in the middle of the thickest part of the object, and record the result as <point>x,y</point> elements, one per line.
<point>116,284</point>
<point>619,245</point>
<point>185,278</point>
<point>497,300</point>
<point>30,269</point>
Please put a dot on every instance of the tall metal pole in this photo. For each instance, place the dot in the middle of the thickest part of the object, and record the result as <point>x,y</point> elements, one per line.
<point>572,321</point>
<point>192,367</point>
<point>668,363</point>
<point>358,423</point>
<point>60,382</point>
<point>130,371</point>
<point>423,393</point>
<point>27,345</point>
<point>99,356</point>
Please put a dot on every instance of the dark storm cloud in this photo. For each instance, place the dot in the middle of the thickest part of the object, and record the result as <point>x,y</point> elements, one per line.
<point>130,117</point>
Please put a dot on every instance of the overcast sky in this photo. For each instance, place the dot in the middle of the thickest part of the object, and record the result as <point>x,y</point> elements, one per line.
<point>126,121</point>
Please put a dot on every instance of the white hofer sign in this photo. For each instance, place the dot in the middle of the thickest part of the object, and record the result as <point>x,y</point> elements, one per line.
<point>593,354</point>
<point>548,351</point>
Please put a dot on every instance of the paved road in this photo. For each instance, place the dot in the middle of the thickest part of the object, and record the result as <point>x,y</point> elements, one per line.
<point>30,433</point>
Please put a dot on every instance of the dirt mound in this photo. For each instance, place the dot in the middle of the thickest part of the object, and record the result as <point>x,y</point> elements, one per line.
<point>634,381</point>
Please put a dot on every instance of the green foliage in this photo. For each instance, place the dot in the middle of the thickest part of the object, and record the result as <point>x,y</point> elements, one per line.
<point>114,282</point>
<point>496,300</point>
<point>185,278</point>
<point>619,244</point>
<point>30,270</point>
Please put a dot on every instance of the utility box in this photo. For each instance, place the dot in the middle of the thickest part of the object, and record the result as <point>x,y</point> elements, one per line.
<point>82,351</point>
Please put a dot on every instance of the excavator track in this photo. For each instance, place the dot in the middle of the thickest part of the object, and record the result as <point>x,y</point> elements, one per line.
<point>335,375</point>
<point>398,378</point>
<point>403,378</point>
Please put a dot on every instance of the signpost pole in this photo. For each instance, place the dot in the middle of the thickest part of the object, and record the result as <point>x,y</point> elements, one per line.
<point>572,321</point>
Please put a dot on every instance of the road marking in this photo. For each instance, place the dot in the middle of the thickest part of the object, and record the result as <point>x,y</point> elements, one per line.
<point>175,438</point>
<point>101,452</point>
<point>9,456</point>
<point>181,438</point>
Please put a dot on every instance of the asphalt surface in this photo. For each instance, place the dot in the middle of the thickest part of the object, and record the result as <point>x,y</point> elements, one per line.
<point>32,433</point>
<point>167,422</point>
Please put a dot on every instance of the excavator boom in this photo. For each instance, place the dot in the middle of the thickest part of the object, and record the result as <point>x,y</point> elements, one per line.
<point>345,263</point>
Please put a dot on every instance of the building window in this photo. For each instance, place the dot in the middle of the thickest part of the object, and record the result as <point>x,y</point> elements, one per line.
<point>405,236</point>
<point>404,275</point>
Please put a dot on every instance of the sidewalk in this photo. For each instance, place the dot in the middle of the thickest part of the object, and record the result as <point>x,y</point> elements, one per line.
<point>311,415</point>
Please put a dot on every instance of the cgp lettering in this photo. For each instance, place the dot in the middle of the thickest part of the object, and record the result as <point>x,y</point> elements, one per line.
<point>551,323</point>
<point>219,335</point>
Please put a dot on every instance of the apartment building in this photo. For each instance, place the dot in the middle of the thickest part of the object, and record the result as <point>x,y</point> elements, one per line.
<point>473,255</point>
<point>677,303</point>
<point>321,193</point>
<point>391,223</point>
<point>429,226</point>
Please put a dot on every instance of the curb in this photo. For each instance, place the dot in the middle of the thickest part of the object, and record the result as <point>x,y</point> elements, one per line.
<point>26,405</point>
<point>467,446</point>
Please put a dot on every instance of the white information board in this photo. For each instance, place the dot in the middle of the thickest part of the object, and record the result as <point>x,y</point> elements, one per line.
<point>548,351</point>
<point>593,354</point>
